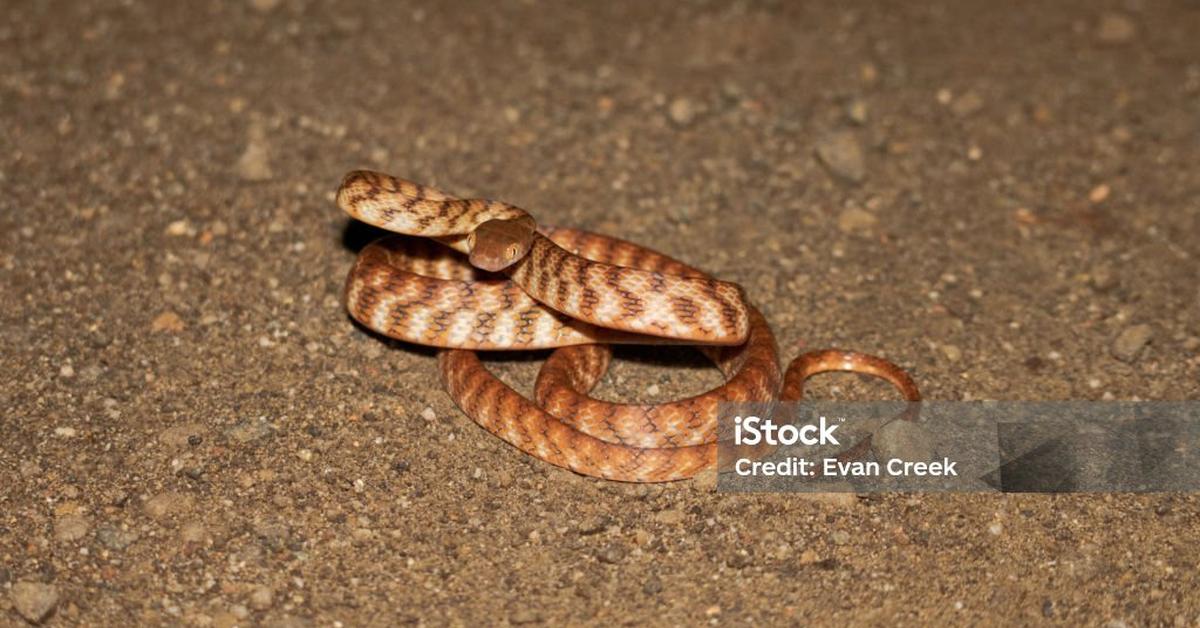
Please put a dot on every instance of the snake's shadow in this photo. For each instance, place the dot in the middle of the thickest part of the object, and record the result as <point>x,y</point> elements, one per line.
<point>670,356</point>
<point>357,235</point>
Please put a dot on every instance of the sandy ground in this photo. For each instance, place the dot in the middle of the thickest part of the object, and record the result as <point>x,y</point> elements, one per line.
<point>195,433</point>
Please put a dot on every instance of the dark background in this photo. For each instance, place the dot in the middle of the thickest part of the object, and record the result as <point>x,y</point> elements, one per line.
<point>194,432</point>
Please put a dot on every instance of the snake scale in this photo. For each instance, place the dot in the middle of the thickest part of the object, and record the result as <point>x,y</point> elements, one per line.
<point>475,274</point>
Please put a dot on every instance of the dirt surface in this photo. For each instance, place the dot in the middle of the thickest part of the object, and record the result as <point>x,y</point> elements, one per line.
<point>195,433</point>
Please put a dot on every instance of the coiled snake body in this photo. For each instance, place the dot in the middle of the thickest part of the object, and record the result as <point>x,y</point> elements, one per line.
<point>576,292</point>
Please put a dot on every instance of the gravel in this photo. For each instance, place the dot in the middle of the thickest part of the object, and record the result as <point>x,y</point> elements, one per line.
<point>34,601</point>
<point>71,528</point>
<point>842,154</point>
<point>124,199</point>
<point>166,504</point>
<point>262,598</point>
<point>255,163</point>
<point>1128,345</point>
<point>682,111</point>
<point>854,220</point>
<point>116,538</point>
<point>612,554</point>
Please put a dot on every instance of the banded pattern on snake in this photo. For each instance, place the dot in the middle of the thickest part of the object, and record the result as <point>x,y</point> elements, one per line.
<point>577,292</point>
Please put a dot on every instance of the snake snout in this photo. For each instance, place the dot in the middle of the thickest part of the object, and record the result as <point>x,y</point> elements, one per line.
<point>490,263</point>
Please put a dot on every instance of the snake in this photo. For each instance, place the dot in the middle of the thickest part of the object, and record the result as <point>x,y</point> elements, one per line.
<point>467,274</point>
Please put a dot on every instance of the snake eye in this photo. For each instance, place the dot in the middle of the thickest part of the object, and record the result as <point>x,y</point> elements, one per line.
<point>512,251</point>
<point>471,240</point>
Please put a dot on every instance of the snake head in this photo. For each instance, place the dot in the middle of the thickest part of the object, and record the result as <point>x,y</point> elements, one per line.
<point>498,244</point>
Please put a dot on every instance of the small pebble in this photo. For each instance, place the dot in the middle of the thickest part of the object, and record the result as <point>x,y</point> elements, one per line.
<point>167,503</point>
<point>116,538</point>
<point>595,525</point>
<point>262,598</point>
<point>843,156</point>
<point>168,321</point>
<point>34,601</point>
<point>952,353</point>
<point>70,528</point>
<point>254,164</point>
<point>1129,343</point>
<point>856,111</point>
<point>428,414</point>
<point>682,111</point>
<point>840,537</point>
<point>740,560</point>
<point>64,432</point>
<point>1099,193</point>
<point>856,220</point>
<point>180,228</point>
<point>192,532</point>
<point>611,554</point>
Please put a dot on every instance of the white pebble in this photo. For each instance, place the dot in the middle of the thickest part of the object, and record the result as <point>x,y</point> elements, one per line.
<point>180,228</point>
